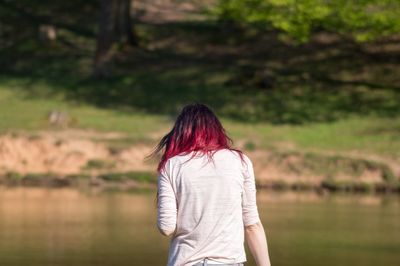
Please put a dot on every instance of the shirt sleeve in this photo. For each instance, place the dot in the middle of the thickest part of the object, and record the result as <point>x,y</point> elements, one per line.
<point>249,203</point>
<point>166,204</point>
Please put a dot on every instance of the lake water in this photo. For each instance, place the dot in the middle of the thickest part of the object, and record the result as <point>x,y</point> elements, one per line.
<point>60,227</point>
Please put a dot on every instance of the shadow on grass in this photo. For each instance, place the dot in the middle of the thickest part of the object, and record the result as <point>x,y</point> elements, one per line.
<point>241,74</point>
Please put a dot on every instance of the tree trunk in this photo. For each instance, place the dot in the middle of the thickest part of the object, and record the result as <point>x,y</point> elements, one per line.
<point>105,37</point>
<point>115,25</point>
<point>125,31</point>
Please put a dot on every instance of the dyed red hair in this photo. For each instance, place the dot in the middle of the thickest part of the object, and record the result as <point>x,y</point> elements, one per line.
<point>197,129</point>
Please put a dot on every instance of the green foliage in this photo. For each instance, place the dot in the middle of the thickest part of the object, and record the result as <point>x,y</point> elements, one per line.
<point>347,185</point>
<point>99,164</point>
<point>144,177</point>
<point>364,20</point>
<point>250,146</point>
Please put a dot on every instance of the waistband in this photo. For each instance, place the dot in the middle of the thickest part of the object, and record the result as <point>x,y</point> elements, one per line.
<point>206,260</point>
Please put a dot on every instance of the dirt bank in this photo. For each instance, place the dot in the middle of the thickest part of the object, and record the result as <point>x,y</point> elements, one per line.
<point>81,153</point>
<point>68,153</point>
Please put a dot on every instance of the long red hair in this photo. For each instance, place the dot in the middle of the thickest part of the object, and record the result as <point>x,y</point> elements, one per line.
<point>197,129</point>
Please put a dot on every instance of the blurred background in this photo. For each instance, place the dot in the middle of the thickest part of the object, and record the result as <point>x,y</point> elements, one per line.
<point>308,89</point>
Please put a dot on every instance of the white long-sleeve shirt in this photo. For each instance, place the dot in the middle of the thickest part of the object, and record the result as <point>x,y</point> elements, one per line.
<point>207,205</point>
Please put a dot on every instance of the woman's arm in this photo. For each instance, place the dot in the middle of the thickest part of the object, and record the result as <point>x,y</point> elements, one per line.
<point>166,205</point>
<point>254,230</point>
<point>257,242</point>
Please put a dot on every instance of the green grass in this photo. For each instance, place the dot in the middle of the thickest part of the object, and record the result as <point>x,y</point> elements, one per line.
<point>18,112</point>
<point>371,135</point>
<point>144,177</point>
<point>360,135</point>
<point>99,164</point>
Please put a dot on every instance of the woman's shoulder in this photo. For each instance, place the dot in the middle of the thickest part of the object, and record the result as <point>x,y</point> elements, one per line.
<point>224,154</point>
<point>236,156</point>
<point>240,154</point>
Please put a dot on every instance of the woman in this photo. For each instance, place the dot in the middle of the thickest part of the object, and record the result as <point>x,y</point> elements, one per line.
<point>206,196</point>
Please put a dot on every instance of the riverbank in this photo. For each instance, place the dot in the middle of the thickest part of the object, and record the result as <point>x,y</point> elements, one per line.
<point>79,158</point>
<point>135,181</point>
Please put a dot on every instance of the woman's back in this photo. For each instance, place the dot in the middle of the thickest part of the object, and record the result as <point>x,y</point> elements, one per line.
<point>207,204</point>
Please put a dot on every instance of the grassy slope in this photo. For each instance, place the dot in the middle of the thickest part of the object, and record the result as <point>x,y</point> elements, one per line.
<point>359,135</point>
<point>18,112</point>
<point>365,135</point>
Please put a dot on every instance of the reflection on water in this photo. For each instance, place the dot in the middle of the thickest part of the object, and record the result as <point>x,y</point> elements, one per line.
<point>68,227</point>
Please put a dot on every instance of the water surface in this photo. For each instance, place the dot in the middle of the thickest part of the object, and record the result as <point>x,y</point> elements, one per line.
<point>60,227</point>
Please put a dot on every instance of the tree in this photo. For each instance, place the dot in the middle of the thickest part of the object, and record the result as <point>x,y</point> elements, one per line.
<point>124,29</point>
<point>115,26</point>
<point>364,20</point>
